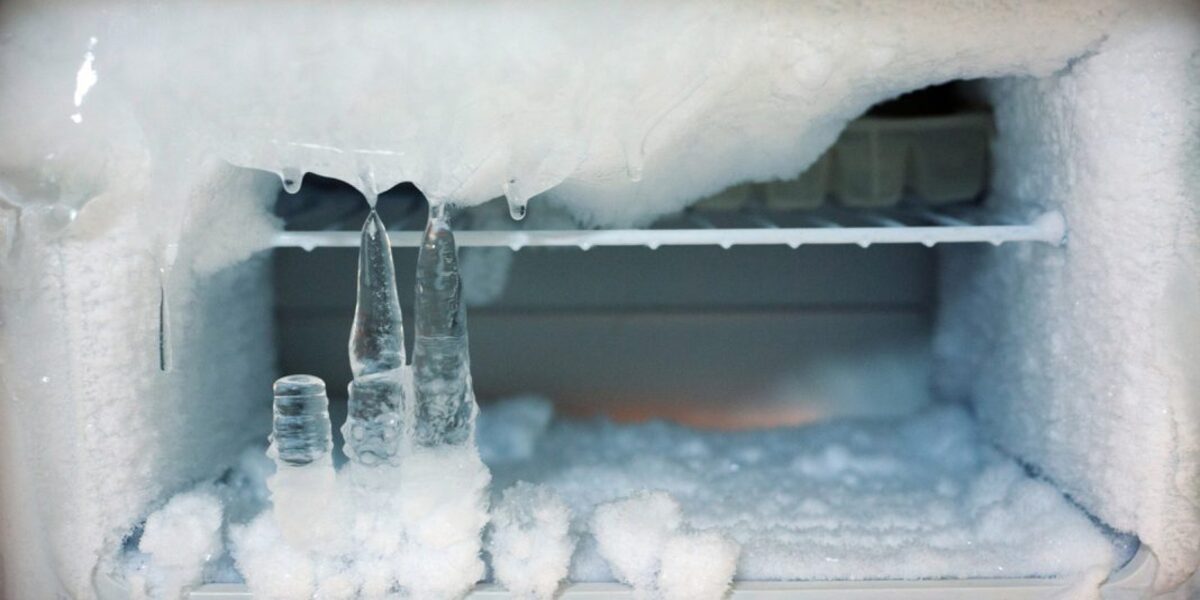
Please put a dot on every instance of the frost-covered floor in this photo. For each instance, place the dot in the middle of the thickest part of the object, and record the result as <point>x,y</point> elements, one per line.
<point>919,497</point>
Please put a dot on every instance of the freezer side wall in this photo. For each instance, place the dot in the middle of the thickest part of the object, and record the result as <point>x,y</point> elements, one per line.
<point>1083,360</point>
<point>93,432</point>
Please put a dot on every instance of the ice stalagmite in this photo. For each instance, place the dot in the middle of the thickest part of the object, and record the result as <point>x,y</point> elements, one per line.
<point>445,403</point>
<point>376,400</point>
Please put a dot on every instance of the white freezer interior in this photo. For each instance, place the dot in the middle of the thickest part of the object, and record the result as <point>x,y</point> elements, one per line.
<point>145,312</point>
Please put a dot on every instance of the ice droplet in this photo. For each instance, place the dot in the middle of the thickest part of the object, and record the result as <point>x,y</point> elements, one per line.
<point>292,179</point>
<point>517,203</point>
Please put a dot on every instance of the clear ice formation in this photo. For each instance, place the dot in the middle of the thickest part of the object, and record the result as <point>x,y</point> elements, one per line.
<point>376,396</point>
<point>377,337</point>
<point>300,432</point>
<point>445,403</point>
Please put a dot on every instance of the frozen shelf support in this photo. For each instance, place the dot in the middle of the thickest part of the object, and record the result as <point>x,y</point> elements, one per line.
<point>1048,228</point>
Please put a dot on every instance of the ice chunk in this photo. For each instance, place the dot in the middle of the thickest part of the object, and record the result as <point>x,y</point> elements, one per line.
<point>180,539</point>
<point>531,544</point>
<point>631,534</point>
<point>374,421</point>
<point>697,566</point>
<point>445,403</point>
<point>377,337</point>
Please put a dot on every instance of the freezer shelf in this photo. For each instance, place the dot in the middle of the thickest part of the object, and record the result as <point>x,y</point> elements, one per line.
<point>861,228</point>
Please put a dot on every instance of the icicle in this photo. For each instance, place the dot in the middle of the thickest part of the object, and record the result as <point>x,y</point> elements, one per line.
<point>164,315</point>
<point>376,400</point>
<point>445,403</point>
<point>292,179</point>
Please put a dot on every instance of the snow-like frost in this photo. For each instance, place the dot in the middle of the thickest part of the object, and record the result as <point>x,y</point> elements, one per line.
<point>178,540</point>
<point>530,544</point>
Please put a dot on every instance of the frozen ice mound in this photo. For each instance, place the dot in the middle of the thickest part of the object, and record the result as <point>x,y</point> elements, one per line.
<point>530,543</point>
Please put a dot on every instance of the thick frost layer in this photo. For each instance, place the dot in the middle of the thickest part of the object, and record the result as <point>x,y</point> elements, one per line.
<point>920,497</point>
<point>631,109</point>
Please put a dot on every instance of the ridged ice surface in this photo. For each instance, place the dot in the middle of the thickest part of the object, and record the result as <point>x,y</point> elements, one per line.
<point>300,431</point>
<point>445,403</point>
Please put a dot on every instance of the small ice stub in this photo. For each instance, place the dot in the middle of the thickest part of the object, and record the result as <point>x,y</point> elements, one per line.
<point>300,433</point>
<point>377,336</point>
<point>445,402</point>
<point>304,485</point>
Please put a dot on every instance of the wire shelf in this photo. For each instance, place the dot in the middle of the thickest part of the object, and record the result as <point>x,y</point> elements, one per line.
<point>696,228</point>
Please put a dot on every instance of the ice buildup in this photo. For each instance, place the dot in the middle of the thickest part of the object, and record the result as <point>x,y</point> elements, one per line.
<point>445,402</point>
<point>404,519</point>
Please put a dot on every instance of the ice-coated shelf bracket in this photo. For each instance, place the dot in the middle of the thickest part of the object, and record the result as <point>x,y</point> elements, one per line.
<point>863,229</point>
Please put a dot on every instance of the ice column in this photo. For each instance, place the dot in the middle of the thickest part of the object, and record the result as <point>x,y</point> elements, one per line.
<point>376,400</point>
<point>445,403</point>
<point>303,486</point>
